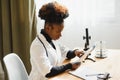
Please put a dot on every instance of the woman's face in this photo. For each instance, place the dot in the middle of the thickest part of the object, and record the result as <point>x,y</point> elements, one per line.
<point>54,31</point>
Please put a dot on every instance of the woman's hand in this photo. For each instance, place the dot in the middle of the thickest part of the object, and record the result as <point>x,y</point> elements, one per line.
<point>79,53</point>
<point>75,65</point>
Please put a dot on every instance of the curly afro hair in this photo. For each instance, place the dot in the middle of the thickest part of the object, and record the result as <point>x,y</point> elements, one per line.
<point>53,12</point>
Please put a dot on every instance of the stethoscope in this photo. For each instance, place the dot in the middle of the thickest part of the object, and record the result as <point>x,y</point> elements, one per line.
<point>104,76</point>
<point>43,45</point>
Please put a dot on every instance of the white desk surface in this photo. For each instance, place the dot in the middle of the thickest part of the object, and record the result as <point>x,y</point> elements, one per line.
<point>110,64</point>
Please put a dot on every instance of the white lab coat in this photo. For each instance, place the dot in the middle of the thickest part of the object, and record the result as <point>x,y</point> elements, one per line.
<point>41,63</point>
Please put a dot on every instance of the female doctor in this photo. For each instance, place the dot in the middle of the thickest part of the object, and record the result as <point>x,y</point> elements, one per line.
<point>46,55</point>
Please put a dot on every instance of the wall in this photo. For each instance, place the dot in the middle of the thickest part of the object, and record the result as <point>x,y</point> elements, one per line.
<point>101,17</point>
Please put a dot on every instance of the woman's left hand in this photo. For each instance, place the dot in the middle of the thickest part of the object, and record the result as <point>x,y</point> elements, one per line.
<point>79,53</point>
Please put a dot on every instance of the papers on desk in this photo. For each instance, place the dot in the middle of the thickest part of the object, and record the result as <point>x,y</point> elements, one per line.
<point>85,73</point>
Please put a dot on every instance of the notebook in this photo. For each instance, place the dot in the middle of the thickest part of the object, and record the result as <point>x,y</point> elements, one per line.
<point>85,73</point>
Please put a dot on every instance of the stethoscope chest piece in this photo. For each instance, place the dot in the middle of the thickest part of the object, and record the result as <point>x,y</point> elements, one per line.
<point>105,76</point>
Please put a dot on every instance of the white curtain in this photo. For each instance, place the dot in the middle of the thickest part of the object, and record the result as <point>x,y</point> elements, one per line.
<point>102,17</point>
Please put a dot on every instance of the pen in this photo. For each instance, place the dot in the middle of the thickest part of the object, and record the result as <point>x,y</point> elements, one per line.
<point>94,74</point>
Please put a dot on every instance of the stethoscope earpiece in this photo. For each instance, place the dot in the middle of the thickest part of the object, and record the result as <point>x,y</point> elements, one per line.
<point>105,76</point>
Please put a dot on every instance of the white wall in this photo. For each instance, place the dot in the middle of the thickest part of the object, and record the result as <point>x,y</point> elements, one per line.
<point>101,17</point>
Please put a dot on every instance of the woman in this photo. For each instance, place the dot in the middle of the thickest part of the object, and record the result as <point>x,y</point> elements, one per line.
<point>46,55</point>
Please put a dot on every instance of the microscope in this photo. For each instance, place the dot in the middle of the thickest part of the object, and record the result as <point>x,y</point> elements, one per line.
<point>86,46</point>
<point>86,38</point>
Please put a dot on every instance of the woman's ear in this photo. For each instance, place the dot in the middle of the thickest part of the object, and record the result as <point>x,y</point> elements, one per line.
<point>48,27</point>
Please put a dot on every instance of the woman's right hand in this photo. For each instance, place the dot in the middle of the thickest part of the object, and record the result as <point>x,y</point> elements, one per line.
<point>75,65</point>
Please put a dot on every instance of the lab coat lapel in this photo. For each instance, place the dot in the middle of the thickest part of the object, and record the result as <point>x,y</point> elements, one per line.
<point>51,51</point>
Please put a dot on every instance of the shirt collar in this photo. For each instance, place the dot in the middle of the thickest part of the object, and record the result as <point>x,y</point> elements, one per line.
<point>46,35</point>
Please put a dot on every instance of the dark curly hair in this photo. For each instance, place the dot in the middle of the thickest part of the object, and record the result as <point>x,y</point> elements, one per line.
<point>53,12</point>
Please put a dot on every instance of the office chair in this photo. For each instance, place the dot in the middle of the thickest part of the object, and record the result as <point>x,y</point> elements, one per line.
<point>15,67</point>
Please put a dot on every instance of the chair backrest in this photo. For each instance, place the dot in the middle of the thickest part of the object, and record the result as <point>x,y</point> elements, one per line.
<point>15,67</point>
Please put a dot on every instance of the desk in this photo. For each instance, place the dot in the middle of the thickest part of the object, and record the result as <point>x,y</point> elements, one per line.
<point>110,64</point>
